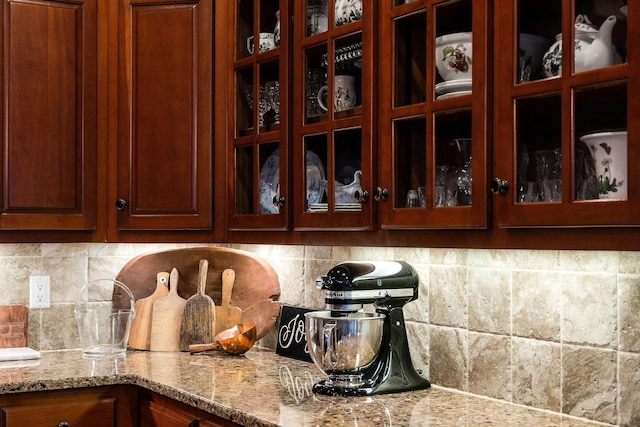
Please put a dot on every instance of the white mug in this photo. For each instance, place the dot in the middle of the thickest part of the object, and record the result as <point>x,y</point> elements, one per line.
<point>344,93</point>
<point>267,42</point>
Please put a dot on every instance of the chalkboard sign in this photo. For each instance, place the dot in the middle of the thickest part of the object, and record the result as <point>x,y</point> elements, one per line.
<point>292,341</point>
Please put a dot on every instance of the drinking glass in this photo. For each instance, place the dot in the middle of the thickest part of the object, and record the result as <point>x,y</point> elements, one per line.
<point>272,89</point>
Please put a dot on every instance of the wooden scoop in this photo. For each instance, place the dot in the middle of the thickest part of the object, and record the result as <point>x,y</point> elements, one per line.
<point>227,316</point>
<point>199,315</point>
<point>235,340</point>
<point>166,318</point>
<point>140,335</point>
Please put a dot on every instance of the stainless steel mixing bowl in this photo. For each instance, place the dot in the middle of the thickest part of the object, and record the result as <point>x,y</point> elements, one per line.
<point>343,345</point>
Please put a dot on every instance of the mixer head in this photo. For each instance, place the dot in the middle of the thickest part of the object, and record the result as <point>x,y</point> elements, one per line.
<point>350,285</point>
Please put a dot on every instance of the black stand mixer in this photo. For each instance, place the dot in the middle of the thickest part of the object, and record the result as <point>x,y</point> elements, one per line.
<point>364,353</point>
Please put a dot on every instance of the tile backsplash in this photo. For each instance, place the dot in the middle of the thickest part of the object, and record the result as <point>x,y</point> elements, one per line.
<point>555,330</point>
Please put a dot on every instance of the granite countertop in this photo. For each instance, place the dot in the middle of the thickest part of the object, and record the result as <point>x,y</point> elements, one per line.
<point>262,388</point>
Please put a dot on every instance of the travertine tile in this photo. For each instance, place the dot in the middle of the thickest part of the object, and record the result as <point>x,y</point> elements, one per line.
<point>589,383</point>
<point>15,274</point>
<point>61,250</point>
<point>535,260</point>
<point>418,338</point>
<point>596,261</point>
<point>536,373</point>
<point>418,310</point>
<point>629,312</point>
<point>448,357</point>
<point>490,300</point>
<point>20,250</point>
<point>537,304</point>
<point>318,252</point>
<point>412,255</point>
<point>68,275</point>
<point>490,365</point>
<point>489,258</point>
<point>589,311</point>
<point>629,389</point>
<point>448,256</point>
<point>291,277</point>
<point>314,297</point>
<point>629,262</point>
<point>448,296</point>
<point>59,328</point>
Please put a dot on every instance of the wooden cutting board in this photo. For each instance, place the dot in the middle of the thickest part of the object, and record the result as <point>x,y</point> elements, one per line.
<point>199,316</point>
<point>256,285</point>
<point>166,318</point>
<point>227,316</point>
<point>140,335</point>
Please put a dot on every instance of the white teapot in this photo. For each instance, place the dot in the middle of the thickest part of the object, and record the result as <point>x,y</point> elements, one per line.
<point>593,48</point>
<point>347,11</point>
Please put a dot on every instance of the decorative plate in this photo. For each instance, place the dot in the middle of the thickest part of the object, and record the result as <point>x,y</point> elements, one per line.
<point>460,85</point>
<point>316,183</point>
<point>269,183</point>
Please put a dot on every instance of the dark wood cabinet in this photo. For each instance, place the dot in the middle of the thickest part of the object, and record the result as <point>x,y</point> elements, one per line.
<point>99,406</point>
<point>49,128</point>
<point>546,121</point>
<point>161,134</point>
<point>160,411</point>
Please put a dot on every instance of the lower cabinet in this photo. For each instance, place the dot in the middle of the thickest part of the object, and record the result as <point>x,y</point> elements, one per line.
<point>95,406</point>
<point>109,406</point>
<point>161,411</point>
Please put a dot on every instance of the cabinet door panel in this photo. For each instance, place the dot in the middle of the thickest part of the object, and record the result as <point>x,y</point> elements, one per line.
<point>76,412</point>
<point>153,414</point>
<point>49,130</point>
<point>164,158</point>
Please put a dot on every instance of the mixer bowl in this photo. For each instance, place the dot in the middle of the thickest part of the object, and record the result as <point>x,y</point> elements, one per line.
<point>343,345</point>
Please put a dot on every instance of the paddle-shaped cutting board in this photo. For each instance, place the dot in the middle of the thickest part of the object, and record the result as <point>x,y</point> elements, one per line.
<point>226,315</point>
<point>140,332</point>
<point>198,318</point>
<point>166,318</point>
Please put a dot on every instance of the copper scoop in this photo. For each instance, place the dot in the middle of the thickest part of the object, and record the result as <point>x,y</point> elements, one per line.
<point>235,340</point>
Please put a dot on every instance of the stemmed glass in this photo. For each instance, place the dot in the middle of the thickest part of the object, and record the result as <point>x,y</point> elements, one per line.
<point>248,93</point>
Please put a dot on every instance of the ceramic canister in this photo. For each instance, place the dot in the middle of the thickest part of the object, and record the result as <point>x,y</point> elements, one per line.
<point>609,151</point>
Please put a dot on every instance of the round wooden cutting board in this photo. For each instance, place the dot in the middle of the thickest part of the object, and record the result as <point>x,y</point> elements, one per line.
<point>255,291</point>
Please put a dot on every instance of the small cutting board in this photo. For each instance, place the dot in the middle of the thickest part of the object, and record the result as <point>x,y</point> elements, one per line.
<point>166,318</point>
<point>226,315</point>
<point>199,316</point>
<point>140,335</point>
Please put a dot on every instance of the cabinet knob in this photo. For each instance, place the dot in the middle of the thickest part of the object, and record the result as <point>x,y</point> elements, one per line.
<point>278,201</point>
<point>63,424</point>
<point>380,194</point>
<point>121,204</point>
<point>361,195</point>
<point>499,186</point>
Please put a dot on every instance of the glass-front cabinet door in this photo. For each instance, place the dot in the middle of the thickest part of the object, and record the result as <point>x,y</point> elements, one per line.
<point>259,94</point>
<point>434,94</point>
<point>333,81</point>
<point>567,125</point>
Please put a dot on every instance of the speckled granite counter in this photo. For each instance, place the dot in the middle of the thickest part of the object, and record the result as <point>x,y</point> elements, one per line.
<point>264,389</point>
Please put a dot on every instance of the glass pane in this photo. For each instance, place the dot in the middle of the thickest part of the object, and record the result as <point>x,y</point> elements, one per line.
<point>245,28</point>
<point>347,75</point>
<point>454,49</point>
<point>316,17</point>
<point>410,159</point>
<point>410,59</point>
<point>539,155</point>
<point>244,180</point>
<point>316,86</point>
<point>348,169</point>
<point>244,102</point>
<point>601,144</point>
<point>269,178</point>
<point>269,96</point>
<point>453,172</point>
<point>539,23</point>
<point>347,11</point>
<point>269,25</point>
<point>315,175</point>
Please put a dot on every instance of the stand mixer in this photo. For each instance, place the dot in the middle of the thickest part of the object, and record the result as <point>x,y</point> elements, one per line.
<point>364,353</point>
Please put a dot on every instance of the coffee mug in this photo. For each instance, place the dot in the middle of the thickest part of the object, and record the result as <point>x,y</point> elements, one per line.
<point>267,42</point>
<point>344,93</point>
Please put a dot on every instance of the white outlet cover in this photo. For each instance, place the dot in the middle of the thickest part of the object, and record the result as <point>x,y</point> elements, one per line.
<point>39,292</point>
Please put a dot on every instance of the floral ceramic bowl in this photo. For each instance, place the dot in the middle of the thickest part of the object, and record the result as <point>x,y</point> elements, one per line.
<point>453,56</point>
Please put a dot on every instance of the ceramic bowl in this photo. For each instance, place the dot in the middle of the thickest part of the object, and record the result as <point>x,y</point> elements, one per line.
<point>454,56</point>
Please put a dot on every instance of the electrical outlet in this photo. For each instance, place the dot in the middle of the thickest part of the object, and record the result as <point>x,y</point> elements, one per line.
<point>39,292</point>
